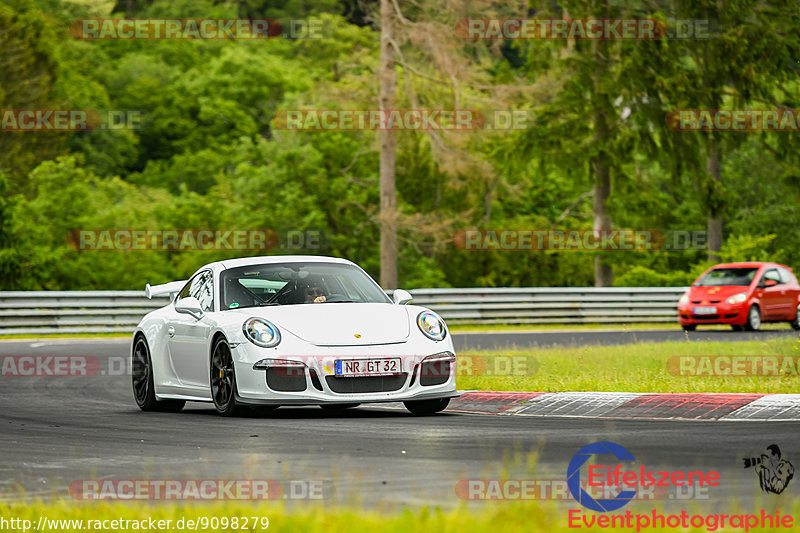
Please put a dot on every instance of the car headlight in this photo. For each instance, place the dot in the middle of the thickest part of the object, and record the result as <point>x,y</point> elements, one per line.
<point>737,298</point>
<point>261,332</point>
<point>431,326</point>
<point>684,299</point>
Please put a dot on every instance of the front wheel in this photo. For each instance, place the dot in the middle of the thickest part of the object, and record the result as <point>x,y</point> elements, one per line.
<point>753,319</point>
<point>223,379</point>
<point>427,407</point>
<point>796,322</point>
<point>142,381</point>
<point>690,327</point>
<point>734,327</point>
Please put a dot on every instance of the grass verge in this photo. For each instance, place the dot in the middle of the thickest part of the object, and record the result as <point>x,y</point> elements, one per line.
<point>627,368</point>
<point>501,516</point>
<point>635,326</point>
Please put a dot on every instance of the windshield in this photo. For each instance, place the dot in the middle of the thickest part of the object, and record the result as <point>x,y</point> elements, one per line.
<point>297,283</point>
<point>727,276</point>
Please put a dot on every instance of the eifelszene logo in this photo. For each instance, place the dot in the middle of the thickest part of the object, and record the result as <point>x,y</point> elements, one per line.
<point>574,477</point>
<point>608,477</point>
<point>774,473</point>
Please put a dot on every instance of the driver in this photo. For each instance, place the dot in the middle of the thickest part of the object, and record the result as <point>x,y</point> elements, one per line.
<point>314,294</point>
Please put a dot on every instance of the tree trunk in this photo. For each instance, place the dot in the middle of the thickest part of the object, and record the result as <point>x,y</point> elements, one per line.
<point>603,276</point>
<point>714,221</point>
<point>601,166</point>
<point>388,195</point>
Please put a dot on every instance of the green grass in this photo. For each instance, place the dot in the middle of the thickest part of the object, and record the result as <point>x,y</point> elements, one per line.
<point>627,368</point>
<point>511,517</point>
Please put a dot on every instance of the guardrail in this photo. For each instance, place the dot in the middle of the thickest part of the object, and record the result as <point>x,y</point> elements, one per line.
<point>119,311</point>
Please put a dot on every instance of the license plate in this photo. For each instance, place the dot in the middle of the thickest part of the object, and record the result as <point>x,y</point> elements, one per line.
<point>368,367</point>
<point>710,310</point>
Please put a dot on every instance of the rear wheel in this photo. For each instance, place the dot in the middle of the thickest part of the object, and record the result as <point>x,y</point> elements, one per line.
<point>796,322</point>
<point>753,319</point>
<point>427,407</point>
<point>223,379</point>
<point>142,381</point>
<point>690,327</point>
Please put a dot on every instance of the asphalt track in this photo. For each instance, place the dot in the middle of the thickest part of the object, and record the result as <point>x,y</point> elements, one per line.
<point>56,430</point>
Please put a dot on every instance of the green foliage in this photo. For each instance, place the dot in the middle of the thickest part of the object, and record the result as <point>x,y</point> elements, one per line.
<point>748,248</point>
<point>208,154</point>
<point>642,276</point>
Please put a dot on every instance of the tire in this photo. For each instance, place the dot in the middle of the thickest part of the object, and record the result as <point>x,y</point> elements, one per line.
<point>753,319</point>
<point>223,380</point>
<point>690,327</point>
<point>796,322</point>
<point>736,327</point>
<point>142,380</point>
<point>337,408</point>
<point>427,407</point>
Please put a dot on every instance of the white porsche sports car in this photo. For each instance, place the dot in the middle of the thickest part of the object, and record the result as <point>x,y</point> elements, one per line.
<point>289,330</point>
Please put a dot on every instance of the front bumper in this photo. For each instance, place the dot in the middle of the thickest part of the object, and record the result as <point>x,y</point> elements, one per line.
<point>312,381</point>
<point>734,314</point>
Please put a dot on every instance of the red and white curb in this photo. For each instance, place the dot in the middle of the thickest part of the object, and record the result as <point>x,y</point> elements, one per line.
<point>690,406</point>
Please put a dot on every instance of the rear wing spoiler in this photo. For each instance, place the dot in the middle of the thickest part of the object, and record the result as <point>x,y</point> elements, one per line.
<point>172,288</point>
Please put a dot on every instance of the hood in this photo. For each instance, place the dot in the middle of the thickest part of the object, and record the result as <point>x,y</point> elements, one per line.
<point>715,293</point>
<point>337,324</point>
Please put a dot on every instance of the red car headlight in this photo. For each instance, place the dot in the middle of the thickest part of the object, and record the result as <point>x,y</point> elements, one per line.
<point>737,298</point>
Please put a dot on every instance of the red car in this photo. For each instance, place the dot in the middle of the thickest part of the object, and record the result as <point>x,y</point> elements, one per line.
<point>743,295</point>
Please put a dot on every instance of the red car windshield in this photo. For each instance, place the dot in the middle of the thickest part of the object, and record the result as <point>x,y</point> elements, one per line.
<point>727,276</point>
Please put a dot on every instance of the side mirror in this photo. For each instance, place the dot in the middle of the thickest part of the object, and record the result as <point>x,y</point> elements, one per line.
<point>189,306</point>
<point>770,283</point>
<point>401,297</point>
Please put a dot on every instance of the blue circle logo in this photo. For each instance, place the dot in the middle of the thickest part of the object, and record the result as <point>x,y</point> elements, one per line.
<point>574,477</point>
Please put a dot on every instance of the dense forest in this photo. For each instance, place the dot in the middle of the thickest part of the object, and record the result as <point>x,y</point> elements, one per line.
<point>206,151</point>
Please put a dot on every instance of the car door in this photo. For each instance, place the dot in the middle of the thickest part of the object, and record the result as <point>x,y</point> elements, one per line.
<point>770,297</point>
<point>188,336</point>
<point>788,295</point>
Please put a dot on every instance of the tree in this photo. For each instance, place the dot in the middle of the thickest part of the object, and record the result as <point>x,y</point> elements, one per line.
<point>388,193</point>
<point>749,59</point>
